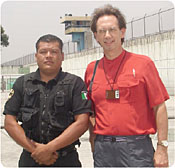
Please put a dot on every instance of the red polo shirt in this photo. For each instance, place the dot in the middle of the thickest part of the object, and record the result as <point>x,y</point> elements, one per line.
<point>140,89</point>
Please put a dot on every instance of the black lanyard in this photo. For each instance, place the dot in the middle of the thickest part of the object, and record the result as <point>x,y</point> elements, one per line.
<point>112,86</point>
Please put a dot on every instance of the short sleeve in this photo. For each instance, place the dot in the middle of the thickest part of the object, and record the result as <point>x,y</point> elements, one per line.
<point>81,103</point>
<point>13,103</point>
<point>156,90</point>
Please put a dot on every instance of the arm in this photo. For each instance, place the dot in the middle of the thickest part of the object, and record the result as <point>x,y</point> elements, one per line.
<point>91,129</point>
<point>17,133</point>
<point>70,135</point>
<point>161,155</point>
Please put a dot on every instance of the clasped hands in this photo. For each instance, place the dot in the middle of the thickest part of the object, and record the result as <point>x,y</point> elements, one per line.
<point>43,155</point>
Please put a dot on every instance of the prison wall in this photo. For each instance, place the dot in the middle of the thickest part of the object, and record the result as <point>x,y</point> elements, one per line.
<point>159,47</point>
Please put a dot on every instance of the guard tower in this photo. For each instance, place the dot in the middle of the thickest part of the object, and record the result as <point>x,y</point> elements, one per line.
<point>79,27</point>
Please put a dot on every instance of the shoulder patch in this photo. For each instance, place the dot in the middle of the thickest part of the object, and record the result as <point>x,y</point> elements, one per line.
<point>84,95</point>
<point>11,94</point>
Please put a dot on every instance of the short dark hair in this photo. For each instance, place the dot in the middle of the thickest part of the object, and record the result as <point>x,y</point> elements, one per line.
<point>49,38</point>
<point>107,10</point>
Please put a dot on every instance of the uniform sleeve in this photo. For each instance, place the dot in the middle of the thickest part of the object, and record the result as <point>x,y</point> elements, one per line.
<point>156,90</point>
<point>80,104</point>
<point>14,100</point>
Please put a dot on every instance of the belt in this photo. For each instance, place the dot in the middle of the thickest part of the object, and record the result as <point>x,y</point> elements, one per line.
<point>63,152</point>
<point>112,138</point>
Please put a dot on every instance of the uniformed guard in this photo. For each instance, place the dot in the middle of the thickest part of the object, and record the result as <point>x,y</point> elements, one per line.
<point>52,107</point>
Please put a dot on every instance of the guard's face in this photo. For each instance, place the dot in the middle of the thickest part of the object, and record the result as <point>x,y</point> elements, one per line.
<point>49,57</point>
<point>108,33</point>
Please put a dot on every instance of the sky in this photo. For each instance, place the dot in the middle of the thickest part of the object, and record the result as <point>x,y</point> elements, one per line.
<point>25,21</point>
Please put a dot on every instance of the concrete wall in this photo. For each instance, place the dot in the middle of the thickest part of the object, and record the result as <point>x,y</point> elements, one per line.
<point>159,47</point>
<point>76,63</point>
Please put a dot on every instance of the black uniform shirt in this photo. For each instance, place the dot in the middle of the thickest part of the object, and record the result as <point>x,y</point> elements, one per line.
<point>79,105</point>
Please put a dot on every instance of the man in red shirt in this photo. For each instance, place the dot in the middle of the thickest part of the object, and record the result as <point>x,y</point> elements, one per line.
<point>128,97</point>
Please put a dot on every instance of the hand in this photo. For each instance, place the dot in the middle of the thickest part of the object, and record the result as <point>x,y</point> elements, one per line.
<point>48,162</point>
<point>43,155</point>
<point>91,140</point>
<point>161,157</point>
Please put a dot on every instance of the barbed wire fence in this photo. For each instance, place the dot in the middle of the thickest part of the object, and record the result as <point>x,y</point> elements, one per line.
<point>155,23</point>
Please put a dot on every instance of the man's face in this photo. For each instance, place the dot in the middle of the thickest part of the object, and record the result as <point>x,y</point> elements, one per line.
<point>108,33</point>
<point>49,57</point>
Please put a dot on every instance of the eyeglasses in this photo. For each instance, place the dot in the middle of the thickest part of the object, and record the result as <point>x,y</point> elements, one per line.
<point>103,31</point>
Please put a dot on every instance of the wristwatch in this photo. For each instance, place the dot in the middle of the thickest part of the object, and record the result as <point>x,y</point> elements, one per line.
<point>163,143</point>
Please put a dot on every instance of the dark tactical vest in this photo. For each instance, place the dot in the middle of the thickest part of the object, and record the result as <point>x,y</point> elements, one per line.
<point>46,116</point>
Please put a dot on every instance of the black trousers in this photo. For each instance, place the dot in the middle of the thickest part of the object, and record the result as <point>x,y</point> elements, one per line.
<point>123,151</point>
<point>70,160</point>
